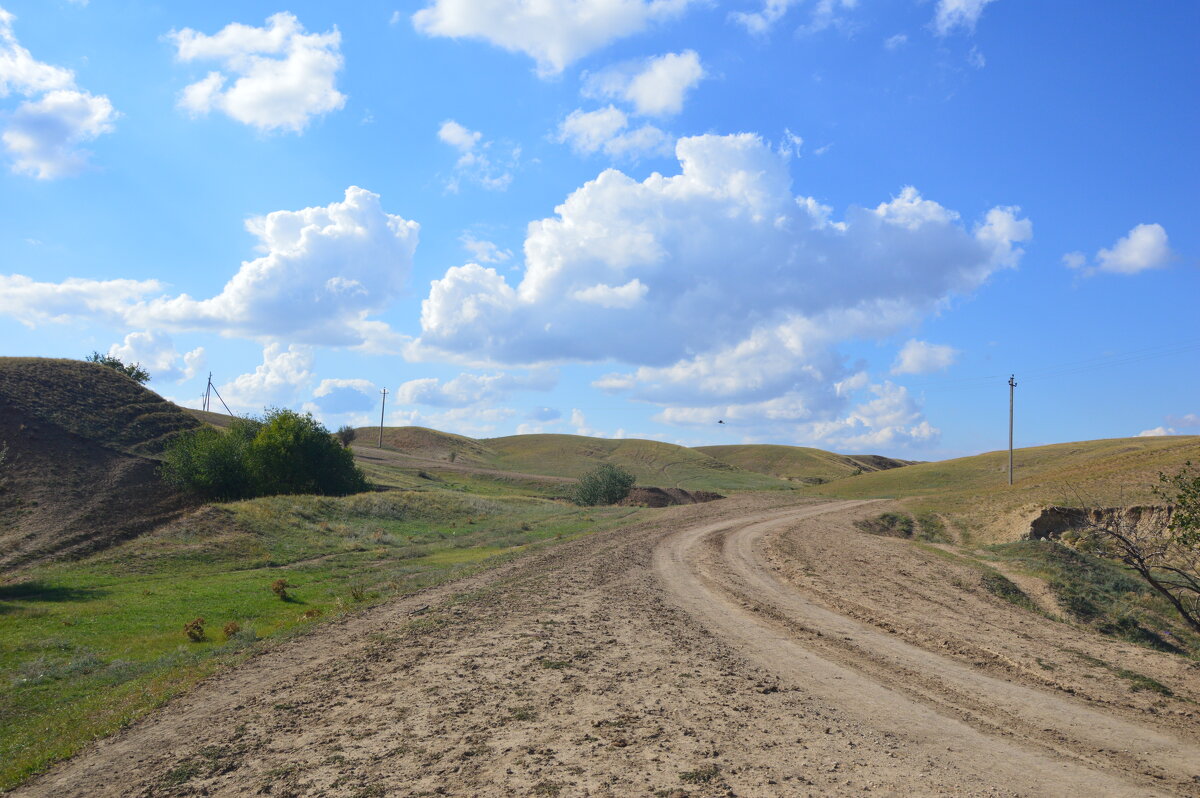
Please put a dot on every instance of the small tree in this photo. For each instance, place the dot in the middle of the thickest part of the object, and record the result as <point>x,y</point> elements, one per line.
<point>133,371</point>
<point>346,434</point>
<point>1168,559</point>
<point>605,484</point>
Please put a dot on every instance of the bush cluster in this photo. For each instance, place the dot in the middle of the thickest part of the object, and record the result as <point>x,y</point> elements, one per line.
<point>283,453</point>
<point>605,484</point>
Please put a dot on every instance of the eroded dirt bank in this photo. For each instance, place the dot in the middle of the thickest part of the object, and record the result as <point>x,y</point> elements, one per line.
<point>752,647</point>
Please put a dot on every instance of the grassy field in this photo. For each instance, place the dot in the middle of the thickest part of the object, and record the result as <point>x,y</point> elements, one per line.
<point>87,646</point>
<point>799,463</point>
<point>653,463</point>
<point>974,491</point>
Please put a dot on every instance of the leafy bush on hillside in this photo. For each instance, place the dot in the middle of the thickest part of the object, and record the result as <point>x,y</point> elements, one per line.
<point>133,371</point>
<point>605,484</point>
<point>283,453</point>
<point>346,434</point>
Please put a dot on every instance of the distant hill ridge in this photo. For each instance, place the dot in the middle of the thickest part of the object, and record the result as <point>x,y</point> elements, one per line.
<point>653,463</point>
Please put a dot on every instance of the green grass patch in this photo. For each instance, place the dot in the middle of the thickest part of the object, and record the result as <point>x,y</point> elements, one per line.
<point>1101,594</point>
<point>88,646</point>
<point>1000,585</point>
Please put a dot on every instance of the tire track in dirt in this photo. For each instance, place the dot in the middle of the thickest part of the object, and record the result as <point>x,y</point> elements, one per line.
<point>996,731</point>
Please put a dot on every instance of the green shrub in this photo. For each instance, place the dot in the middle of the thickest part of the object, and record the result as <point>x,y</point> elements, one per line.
<point>605,484</point>
<point>133,371</point>
<point>284,453</point>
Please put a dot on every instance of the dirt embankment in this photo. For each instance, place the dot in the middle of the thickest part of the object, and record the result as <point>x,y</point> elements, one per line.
<point>1052,522</point>
<point>755,647</point>
<point>666,497</point>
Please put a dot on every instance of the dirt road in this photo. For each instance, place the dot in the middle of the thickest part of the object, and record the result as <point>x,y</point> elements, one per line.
<point>753,647</point>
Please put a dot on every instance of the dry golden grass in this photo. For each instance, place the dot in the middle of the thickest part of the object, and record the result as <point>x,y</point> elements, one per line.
<point>974,491</point>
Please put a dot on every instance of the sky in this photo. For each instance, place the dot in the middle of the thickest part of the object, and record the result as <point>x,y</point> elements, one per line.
<point>830,223</point>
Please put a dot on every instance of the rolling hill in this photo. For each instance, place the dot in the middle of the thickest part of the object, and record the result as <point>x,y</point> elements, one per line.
<point>975,491</point>
<point>798,463</point>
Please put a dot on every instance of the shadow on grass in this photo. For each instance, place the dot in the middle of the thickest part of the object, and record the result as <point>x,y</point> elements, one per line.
<point>37,590</point>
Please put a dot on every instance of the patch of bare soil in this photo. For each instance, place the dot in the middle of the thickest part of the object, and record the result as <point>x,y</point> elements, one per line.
<point>755,646</point>
<point>62,494</point>
<point>666,497</point>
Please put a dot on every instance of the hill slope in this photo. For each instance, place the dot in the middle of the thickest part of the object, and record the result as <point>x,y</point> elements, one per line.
<point>663,465</point>
<point>798,463</point>
<point>79,473</point>
<point>1104,473</point>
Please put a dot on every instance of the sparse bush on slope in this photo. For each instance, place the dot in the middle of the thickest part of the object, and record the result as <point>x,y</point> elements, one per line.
<point>284,453</point>
<point>605,484</point>
<point>133,371</point>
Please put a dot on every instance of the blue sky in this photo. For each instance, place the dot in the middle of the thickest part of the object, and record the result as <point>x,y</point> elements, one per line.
<point>836,223</point>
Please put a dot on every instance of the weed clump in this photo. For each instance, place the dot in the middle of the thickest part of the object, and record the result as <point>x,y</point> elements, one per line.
<point>194,629</point>
<point>231,629</point>
<point>894,525</point>
<point>280,588</point>
<point>699,776</point>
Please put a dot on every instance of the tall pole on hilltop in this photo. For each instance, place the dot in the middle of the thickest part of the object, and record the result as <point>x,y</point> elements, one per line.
<point>1012,383</point>
<point>381,409</point>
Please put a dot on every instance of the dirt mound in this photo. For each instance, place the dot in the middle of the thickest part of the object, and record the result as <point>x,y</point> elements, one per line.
<point>665,497</point>
<point>78,474</point>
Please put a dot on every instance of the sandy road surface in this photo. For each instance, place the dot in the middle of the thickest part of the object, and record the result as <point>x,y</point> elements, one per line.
<point>753,647</point>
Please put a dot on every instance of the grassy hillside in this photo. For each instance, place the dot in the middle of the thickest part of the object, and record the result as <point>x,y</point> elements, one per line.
<point>975,491</point>
<point>80,472</point>
<point>92,401</point>
<point>653,463</point>
<point>798,463</point>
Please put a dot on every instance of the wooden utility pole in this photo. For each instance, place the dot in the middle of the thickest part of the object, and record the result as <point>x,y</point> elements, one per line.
<point>1012,383</point>
<point>381,409</point>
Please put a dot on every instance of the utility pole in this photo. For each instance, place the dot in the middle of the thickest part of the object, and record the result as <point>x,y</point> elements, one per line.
<point>208,391</point>
<point>1012,383</point>
<point>381,409</point>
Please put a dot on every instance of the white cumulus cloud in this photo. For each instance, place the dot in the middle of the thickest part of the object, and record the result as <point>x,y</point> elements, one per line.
<point>323,273</point>
<point>282,376</point>
<point>484,251</point>
<point>156,352</point>
<point>607,129</point>
<point>44,135</point>
<point>1156,432</point>
<point>554,34</point>
<point>922,357</point>
<point>953,14</point>
<point>716,283</point>
<point>1145,247</point>
<point>277,77</point>
<point>653,86</point>
<point>467,389</point>
<point>475,162</point>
